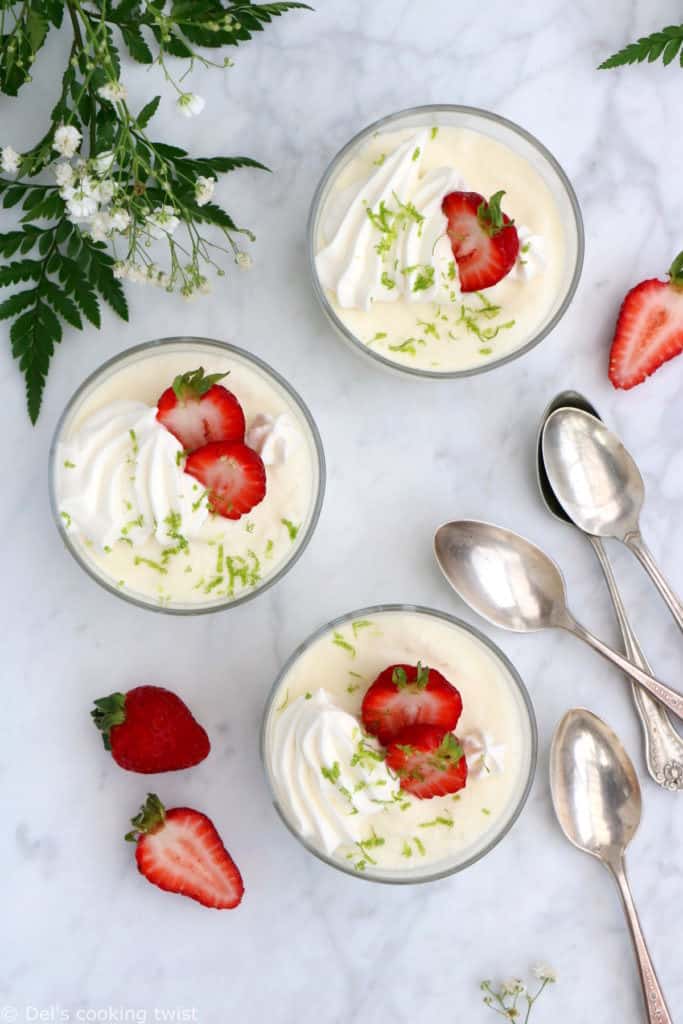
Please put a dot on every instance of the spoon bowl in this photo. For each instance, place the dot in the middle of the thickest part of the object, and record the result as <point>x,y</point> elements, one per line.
<point>593,476</point>
<point>565,400</point>
<point>502,576</point>
<point>513,584</point>
<point>599,486</point>
<point>596,797</point>
<point>594,786</point>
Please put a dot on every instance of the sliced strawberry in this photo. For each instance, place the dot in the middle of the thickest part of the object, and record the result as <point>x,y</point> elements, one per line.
<point>483,238</point>
<point>649,330</point>
<point>428,761</point>
<point>196,410</point>
<point>233,474</point>
<point>150,729</point>
<point>180,851</point>
<point>405,695</point>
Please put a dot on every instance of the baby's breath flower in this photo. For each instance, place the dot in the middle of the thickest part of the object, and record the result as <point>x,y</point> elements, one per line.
<point>544,972</point>
<point>102,163</point>
<point>243,260</point>
<point>113,91</point>
<point>9,160</point>
<point>64,173</point>
<point>66,140</point>
<point>162,221</point>
<point>513,987</point>
<point>119,219</point>
<point>81,200</point>
<point>100,227</point>
<point>190,104</point>
<point>513,999</point>
<point>203,190</point>
<point>105,191</point>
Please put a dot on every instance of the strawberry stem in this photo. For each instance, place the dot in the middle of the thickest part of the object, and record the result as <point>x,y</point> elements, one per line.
<point>150,818</point>
<point>676,271</point>
<point>108,712</point>
<point>491,216</point>
<point>194,383</point>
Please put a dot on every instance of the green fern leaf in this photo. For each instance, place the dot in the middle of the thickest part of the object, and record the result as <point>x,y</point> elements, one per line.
<point>33,336</point>
<point>665,44</point>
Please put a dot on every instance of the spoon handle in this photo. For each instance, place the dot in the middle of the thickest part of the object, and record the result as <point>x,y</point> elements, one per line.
<point>672,699</point>
<point>655,1004</point>
<point>637,545</point>
<point>663,745</point>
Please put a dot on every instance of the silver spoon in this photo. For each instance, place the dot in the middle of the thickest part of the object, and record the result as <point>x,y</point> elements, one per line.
<point>663,745</point>
<point>600,487</point>
<point>596,797</point>
<point>515,585</point>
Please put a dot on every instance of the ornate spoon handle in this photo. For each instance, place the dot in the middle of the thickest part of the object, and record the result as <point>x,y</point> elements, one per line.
<point>663,745</point>
<point>655,1004</point>
<point>637,545</point>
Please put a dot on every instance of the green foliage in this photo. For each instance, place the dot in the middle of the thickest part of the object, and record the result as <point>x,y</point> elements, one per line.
<point>666,44</point>
<point>61,270</point>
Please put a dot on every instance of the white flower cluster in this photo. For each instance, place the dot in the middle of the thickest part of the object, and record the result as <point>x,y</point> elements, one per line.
<point>86,189</point>
<point>203,190</point>
<point>9,160</point>
<point>129,270</point>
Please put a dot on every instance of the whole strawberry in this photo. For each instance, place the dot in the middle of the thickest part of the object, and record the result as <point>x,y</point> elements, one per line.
<point>179,850</point>
<point>149,730</point>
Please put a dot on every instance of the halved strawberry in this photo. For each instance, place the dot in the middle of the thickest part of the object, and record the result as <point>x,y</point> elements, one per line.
<point>407,695</point>
<point>196,410</point>
<point>428,761</point>
<point>483,238</point>
<point>649,330</point>
<point>233,474</point>
<point>180,851</point>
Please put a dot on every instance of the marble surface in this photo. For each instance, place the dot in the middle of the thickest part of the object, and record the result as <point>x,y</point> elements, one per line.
<point>81,930</point>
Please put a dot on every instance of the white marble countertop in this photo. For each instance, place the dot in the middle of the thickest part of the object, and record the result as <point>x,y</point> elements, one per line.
<point>81,930</point>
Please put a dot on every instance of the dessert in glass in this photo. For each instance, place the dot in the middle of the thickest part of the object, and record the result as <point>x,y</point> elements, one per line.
<point>444,241</point>
<point>186,475</point>
<point>399,744</point>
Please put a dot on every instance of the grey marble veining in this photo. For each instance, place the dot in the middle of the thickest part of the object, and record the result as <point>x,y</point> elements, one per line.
<point>80,929</point>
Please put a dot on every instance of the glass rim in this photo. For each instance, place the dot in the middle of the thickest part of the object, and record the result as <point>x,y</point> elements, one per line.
<point>249,357</point>
<point>523,692</point>
<point>314,211</point>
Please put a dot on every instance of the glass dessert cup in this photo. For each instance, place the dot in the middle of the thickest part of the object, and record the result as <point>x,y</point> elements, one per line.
<point>521,145</point>
<point>475,648</point>
<point>262,380</point>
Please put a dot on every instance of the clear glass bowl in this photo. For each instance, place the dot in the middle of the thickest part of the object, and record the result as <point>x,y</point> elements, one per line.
<point>203,347</point>
<point>520,142</point>
<point>499,829</point>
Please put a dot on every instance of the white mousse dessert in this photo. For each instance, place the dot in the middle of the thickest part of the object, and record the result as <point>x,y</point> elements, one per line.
<point>396,269</point>
<point>333,780</point>
<point>131,507</point>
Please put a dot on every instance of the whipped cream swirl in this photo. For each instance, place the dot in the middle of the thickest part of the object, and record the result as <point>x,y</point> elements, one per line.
<point>120,477</point>
<point>273,437</point>
<point>329,776</point>
<point>484,756</point>
<point>386,239</point>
